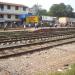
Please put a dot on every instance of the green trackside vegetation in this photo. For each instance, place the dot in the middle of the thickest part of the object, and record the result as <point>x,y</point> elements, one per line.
<point>67,72</point>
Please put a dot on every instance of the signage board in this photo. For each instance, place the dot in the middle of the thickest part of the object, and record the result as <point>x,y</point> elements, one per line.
<point>47,18</point>
<point>32,19</point>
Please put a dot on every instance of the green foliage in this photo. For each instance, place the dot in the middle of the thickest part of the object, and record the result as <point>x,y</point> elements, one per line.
<point>56,10</point>
<point>39,10</point>
<point>43,12</point>
<point>60,10</point>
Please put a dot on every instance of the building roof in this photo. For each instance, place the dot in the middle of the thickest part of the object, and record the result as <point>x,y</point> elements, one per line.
<point>10,13</point>
<point>13,4</point>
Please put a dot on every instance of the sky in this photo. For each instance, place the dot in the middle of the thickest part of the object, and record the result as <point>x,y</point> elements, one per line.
<point>46,4</point>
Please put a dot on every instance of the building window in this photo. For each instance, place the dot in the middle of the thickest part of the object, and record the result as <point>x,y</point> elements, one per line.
<point>2,6</point>
<point>16,8</point>
<point>1,16</point>
<point>9,16</point>
<point>24,8</point>
<point>8,7</point>
<point>16,16</point>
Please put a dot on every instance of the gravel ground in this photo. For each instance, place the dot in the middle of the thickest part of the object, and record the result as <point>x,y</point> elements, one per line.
<point>43,61</point>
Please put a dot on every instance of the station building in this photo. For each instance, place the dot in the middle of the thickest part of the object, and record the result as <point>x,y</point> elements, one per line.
<point>9,12</point>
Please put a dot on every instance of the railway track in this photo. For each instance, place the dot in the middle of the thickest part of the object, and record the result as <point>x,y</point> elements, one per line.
<point>21,49</point>
<point>19,43</point>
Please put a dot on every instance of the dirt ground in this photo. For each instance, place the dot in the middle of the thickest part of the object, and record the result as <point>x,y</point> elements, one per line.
<point>43,61</point>
<point>31,29</point>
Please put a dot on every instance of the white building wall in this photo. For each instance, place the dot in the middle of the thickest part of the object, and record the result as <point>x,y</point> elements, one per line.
<point>5,16</point>
<point>10,19</point>
<point>12,11</point>
<point>63,20</point>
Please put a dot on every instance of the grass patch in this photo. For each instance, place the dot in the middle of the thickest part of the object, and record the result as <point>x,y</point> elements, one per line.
<point>67,72</point>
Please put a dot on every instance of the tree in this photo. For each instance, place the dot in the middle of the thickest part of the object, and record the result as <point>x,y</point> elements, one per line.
<point>43,12</point>
<point>38,10</point>
<point>69,11</point>
<point>60,10</point>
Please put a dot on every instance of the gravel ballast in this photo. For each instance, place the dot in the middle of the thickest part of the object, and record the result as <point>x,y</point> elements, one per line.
<point>43,61</point>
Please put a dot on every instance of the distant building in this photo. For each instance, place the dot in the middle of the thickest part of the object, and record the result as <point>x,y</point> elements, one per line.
<point>35,9</point>
<point>49,19</point>
<point>66,21</point>
<point>9,12</point>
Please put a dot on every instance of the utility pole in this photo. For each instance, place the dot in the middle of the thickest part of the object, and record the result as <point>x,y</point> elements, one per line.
<point>37,13</point>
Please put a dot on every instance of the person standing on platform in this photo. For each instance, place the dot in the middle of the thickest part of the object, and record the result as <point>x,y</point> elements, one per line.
<point>5,25</point>
<point>24,25</point>
<point>36,25</point>
<point>29,25</point>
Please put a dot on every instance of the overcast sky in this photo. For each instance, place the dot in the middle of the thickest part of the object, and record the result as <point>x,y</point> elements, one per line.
<point>45,3</point>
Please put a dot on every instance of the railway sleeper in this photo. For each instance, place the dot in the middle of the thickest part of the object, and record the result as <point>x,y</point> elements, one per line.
<point>52,37</point>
